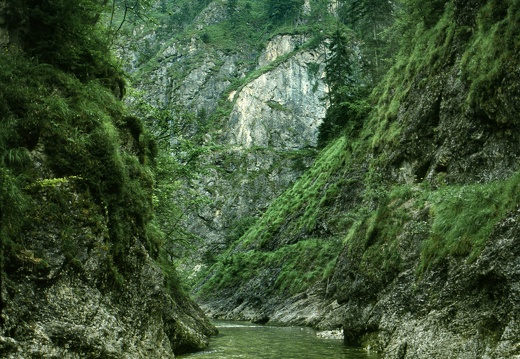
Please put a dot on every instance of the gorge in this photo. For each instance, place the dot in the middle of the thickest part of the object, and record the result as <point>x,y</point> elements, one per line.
<point>209,177</point>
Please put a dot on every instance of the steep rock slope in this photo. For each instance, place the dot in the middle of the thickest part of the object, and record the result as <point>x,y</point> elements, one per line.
<point>258,109</point>
<point>283,107</point>
<point>82,274</point>
<point>406,233</point>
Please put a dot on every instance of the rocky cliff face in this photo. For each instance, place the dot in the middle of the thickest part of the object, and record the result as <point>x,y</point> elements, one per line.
<point>265,106</point>
<point>60,304</point>
<point>423,203</point>
<point>75,185</point>
<point>454,310</point>
<point>284,107</point>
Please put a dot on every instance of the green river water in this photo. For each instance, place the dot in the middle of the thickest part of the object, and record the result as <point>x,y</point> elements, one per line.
<point>248,341</point>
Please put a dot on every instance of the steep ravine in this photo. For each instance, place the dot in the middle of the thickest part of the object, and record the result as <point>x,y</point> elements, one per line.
<point>405,235</point>
<point>259,110</point>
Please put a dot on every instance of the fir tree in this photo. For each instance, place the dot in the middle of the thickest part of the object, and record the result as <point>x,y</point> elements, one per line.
<point>282,10</point>
<point>370,19</point>
<point>347,91</point>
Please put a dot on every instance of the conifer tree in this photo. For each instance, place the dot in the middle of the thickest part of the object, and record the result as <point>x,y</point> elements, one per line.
<point>339,68</point>
<point>370,19</point>
<point>347,91</point>
<point>282,10</point>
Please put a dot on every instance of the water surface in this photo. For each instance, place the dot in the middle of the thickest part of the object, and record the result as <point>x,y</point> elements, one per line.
<point>251,341</point>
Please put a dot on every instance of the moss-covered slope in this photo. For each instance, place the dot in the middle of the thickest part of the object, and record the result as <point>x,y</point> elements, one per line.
<point>405,232</point>
<point>82,270</point>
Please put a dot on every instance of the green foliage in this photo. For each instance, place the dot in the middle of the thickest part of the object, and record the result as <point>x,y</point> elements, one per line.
<point>239,227</point>
<point>70,138</point>
<point>374,238</point>
<point>283,10</point>
<point>488,64</point>
<point>425,50</point>
<point>460,222</point>
<point>341,118</point>
<point>65,34</point>
<point>464,218</point>
<point>298,209</point>
<point>347,90</point>
<point>372,21</point>
<point>417,11</point>
<point>175,171</point>
<point>294,268</point>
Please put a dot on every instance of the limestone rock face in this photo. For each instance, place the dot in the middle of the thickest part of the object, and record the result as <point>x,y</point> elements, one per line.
<point>265,142</point>
<point>281,108</point>
<point>284,107</point>
<point>278,46</point>
<point>272,127</point>
<point>58,307</point>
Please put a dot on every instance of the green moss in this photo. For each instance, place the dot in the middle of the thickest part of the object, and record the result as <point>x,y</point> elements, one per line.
<point>463,218</point>
<point>488,63</point>
<point>80,133</point>
<point>301,202</point>
<point>429,51</point>
<point>294,268</point>
<point>444,223</point>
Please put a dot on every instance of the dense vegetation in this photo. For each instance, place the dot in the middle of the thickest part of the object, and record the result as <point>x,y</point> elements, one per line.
<point>241,29</point>
<point>350,197</point>
<point>65,135</point>
<point>72,156</point>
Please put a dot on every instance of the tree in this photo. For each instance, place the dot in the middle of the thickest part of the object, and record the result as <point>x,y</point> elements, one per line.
<point>231,7</point>
<point>123,11</point>
<point>370,19</point>
<point>347,91</point>
<point>176,166</point>
<point>339,68</point>
<point>282,10</point>
<point>64,34</point>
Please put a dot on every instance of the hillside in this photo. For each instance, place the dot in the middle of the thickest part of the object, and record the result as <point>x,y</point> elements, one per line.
<point>404,232</point>
<point>83,269</point>
<point>245,96</point>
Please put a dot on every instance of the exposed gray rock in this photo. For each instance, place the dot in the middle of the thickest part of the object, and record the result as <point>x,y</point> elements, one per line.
<point>239,185</point>
<point>462,311</point>
<point>59,307</point>
<point>450,139</point>
<point>284,107</point>
<point>265,143</point>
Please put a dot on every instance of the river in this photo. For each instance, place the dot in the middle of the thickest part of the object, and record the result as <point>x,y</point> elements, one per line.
<point>248,341</point>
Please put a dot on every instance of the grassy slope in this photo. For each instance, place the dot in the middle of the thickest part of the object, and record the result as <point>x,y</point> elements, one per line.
<point>343,200</point>
<point>241,34</point>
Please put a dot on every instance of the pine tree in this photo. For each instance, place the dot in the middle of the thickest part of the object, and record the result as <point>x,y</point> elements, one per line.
<point>370,19</point>
<point>282,10</point>
<point>339,68</point>
<point>231,7</point>
<point>347,91</point>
